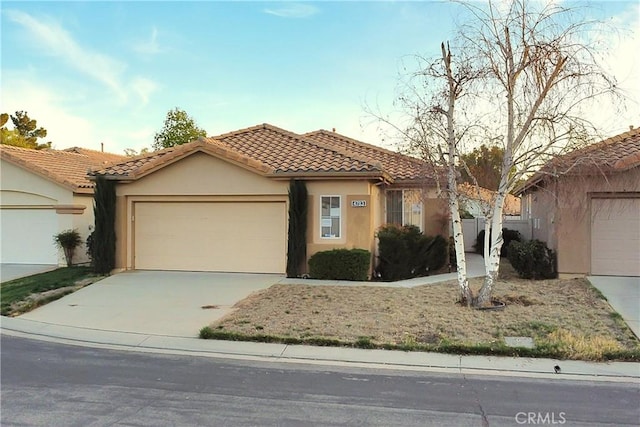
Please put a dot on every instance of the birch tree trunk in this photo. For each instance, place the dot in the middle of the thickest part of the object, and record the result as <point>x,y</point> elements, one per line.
<point>466,296</point>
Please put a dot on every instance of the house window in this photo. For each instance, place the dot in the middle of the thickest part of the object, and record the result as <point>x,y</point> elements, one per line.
<point>404,207</point>
<point>330,217</point>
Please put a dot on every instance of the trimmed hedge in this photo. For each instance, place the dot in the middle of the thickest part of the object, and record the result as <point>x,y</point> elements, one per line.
<point>508,236</point>
<point>533,260</point>
<point>340,264</point>
<point>404,252</point>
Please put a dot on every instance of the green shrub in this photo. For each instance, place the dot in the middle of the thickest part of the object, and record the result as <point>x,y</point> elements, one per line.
<point>507,236</point>
<point>340,264</point>
<point>405,252</point>
<point>68,240</point>
<point>532,260</point>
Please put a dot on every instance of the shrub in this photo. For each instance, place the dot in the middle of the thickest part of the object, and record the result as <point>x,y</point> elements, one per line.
<point>404,252</point>
<point>68,240</point>
<point>507,236</point>
<point>340,264</point>
<point>532,260</point>
<point>103,256</point>
<point>297,236</point>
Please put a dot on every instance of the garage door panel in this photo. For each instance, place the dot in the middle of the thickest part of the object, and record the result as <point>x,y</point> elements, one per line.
<point>615,237</point>
<point>199,236</point>
<point>27,236</point>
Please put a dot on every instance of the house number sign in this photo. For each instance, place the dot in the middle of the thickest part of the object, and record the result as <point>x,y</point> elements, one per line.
<point>358,203</point>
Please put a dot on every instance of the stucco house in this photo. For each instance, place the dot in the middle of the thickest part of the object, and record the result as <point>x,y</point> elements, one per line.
<point>586,206</point>
<point>220,203</point>
<point>44,192</point>
<point>475,201</point>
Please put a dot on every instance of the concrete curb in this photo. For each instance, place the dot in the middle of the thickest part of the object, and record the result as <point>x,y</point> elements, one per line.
<point>337,356</point>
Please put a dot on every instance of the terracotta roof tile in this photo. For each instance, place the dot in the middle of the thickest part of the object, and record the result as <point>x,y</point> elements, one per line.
<point>99,156</point>
<point>401,167</point>
<point>265,148</point>
<point>612,155</point>
<point>66,167</point>
<point>483,195</point>
<point>140,165</point>
<point>287,152</point>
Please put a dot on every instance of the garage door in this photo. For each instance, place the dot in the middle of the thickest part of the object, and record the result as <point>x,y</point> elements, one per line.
<point>234,237</point>
<point>27,236</point>
<point>615,237</point>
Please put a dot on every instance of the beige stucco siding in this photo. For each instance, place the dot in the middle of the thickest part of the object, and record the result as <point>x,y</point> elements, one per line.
<point>203,174</point>
<point>357,222</point>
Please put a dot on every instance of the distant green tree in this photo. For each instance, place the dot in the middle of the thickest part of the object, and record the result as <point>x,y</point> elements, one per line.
<point>179,128</point>
<point>132,152</point>
<point>25,132</point>
<point>485,165</point>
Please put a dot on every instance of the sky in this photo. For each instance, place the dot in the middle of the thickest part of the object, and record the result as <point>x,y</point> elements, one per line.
<point>108,72</point>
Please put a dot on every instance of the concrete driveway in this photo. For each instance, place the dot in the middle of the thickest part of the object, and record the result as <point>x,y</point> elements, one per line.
<point>16,271</point>
<point>153,302</point>
<point>623,294</point>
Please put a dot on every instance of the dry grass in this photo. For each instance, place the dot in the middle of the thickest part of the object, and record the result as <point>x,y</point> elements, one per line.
<point>568,316</point>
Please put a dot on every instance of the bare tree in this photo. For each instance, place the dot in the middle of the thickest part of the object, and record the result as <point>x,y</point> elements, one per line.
<point>520,74</point>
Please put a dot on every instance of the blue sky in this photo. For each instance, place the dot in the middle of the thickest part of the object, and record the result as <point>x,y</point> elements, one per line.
<point>93,72</point>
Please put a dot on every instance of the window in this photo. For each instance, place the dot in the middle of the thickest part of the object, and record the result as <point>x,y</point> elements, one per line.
<point>330,216</point>
<point>404,207</point>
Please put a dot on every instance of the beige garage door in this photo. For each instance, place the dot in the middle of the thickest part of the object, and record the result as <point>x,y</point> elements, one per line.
<point>615,237</point>
<point>232,237</point>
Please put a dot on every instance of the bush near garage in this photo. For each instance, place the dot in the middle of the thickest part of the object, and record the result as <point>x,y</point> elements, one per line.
<point>340,264</point>
<point>404,252</point>
<point>533,260</point>
<point>508,236</point>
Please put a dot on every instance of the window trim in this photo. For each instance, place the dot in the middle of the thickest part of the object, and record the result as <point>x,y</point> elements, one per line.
<point>339,236</point>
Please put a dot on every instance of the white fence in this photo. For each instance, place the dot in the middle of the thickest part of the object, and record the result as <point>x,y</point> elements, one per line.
<point>471,228</point>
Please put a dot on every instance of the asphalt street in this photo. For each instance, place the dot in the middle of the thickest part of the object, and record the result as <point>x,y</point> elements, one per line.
<point>46,384</point>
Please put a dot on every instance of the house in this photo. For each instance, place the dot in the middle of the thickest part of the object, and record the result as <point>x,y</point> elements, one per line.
<point>586,206</point>
<point>475,201</point>
<point>44,192</point>
<point>221,203</point>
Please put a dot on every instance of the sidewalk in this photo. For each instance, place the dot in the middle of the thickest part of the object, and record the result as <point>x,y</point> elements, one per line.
<point>419,361</point>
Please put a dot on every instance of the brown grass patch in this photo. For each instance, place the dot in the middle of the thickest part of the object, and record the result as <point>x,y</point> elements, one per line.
<point>428,315</point>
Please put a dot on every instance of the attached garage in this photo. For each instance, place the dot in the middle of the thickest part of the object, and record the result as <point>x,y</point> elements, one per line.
<point>247,237</point>
<point>615,237</point>
<point>27,236</point>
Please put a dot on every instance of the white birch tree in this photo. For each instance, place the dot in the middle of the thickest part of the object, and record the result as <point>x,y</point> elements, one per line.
<point>521,73</point>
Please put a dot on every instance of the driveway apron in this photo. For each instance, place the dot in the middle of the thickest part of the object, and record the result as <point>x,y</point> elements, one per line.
<point>153,302</point>
<point>623,294</point>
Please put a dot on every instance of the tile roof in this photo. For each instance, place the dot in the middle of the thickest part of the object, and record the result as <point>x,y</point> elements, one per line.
<point>65,167</point>
<point>612,155</point>
<point>135,167</point>
<point>483,195</point>
<point>290,153</point>
<point>100,156</point>
<point>265,148</point>
<point>401,167</point>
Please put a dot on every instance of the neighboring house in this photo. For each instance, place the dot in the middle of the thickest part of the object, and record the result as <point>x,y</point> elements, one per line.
<point>586,205</point>
<point>221,203</point>
<point>475,200</point>
<point>44,192</point>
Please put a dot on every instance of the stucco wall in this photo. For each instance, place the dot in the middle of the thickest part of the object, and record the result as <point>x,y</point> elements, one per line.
<point>564,213</point>
<point>23,189</point>
<point>357,223</point>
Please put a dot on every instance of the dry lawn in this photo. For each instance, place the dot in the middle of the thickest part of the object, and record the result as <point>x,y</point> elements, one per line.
<point>554,312</point>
